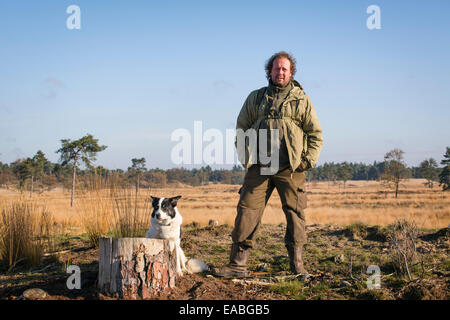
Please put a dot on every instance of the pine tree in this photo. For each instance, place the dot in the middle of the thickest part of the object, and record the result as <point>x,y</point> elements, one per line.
<point>444,177</point>
<point>344,172</point>
<point>136,170</point>
<point>31,168</point>
<point>428,170</point>
<point>84,149</point>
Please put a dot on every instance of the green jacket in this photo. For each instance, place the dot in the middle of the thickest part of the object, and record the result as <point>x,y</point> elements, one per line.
<point>302,130</point>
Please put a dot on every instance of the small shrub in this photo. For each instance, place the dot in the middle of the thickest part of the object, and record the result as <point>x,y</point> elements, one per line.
<point>402,237</point>
<point>376,233</point>
<point>374,294</point>
<point>359,231</point>
<point>356,231</point>
<point>415,292</point>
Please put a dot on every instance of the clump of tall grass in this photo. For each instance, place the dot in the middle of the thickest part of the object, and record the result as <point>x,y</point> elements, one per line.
<point>95,212</point>
<point>109,208</point>
<point>24,229</point>
<point>131,214</point>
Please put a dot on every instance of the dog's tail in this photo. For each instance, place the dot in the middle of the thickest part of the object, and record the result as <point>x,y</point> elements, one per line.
<point>196,266</point>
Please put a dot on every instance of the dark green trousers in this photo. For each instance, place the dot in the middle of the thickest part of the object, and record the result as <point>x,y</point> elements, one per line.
<point>255,194</point>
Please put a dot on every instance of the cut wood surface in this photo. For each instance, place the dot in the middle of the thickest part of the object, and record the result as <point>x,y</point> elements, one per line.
<point>135,267</point>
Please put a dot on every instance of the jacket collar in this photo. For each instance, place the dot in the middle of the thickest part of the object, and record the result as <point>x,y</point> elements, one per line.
<point>295,89</point>
<point>274,89</point>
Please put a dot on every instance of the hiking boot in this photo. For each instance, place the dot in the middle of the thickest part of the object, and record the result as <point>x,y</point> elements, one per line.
<point>296,259</point>
<point>237,268</point>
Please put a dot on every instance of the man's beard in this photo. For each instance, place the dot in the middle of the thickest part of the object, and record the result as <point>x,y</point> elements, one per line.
<point>282,84</point>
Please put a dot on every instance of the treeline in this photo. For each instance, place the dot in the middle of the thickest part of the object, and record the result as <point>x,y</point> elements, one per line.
<point>53,174</point>
<point>19,175</point>
<point>361,171</point>
<point>40,174</point>
<point>37,174</point>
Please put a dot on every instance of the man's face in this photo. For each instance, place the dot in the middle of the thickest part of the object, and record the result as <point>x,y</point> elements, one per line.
<point>281,72</point>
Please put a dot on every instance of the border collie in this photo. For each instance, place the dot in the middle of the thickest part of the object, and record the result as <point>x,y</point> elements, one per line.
<point>166,224</point>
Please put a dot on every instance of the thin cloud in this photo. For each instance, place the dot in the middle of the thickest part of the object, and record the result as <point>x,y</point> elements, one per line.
<point>53,85</point>
<point>222,85</point>
<point>54,82</point>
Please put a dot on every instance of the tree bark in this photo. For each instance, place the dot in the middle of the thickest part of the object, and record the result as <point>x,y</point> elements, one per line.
<point>31,188</point>
<point>73,182</point>
<point>137,184</point>
<point>135,267</point>
<point>397,182</point>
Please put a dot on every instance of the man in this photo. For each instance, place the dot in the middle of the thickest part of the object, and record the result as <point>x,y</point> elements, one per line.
<point>281,106</point>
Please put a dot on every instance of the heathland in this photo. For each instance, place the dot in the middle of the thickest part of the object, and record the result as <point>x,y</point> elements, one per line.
<point>348,229</point>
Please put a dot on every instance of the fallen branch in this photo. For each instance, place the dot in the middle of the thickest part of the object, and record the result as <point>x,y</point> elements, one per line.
<point>351,268</point>
<point>14,264</point>
<point>289,277</point>
<point>56,252</point>
<point>259,283</point>
<point>44,268</point>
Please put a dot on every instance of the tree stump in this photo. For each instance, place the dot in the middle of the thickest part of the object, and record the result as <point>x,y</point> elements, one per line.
<point>135,267</point>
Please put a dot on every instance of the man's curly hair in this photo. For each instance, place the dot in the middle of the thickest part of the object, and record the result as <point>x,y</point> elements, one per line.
<point>281,54</point>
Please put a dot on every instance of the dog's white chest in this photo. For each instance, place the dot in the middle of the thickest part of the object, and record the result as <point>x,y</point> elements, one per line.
<point>158,231</point>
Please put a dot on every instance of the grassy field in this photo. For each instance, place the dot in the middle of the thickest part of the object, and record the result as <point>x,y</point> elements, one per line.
<point>361,201</point>
<point>347,231</point>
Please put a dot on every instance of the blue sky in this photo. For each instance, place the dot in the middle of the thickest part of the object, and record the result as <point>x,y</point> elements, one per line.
<point>138,70</point>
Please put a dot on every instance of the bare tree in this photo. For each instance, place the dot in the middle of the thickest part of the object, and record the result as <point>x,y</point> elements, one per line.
<point>402,237</point>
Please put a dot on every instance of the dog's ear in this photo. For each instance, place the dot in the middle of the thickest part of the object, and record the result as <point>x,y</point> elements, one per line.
<point>155,201</point>
<point>174,200</point>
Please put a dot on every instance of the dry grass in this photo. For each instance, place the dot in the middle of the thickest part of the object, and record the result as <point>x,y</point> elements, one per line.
<point>94,213</point>
<point>361,201</point>
<point>119,212</point>
<point>131,213</point>
<point>403,242</point>
<point>24,230</point>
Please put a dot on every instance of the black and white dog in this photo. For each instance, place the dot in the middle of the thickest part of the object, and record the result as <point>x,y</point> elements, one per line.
<point>166,224</point>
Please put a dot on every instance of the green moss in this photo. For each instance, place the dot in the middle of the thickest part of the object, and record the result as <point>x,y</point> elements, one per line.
<point>446,264</point>
<point>395,282</point>
<point>290,289</point>
<point>372,294</point>
<point>319,291</point>
<point>280,263</point>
